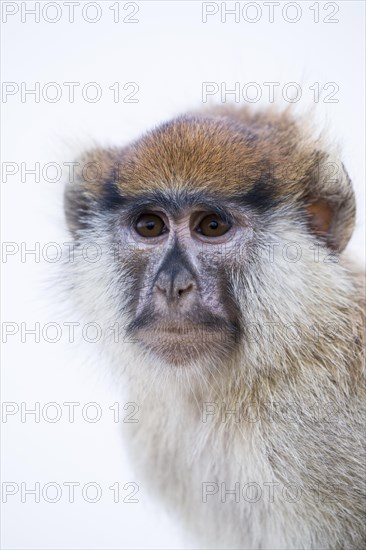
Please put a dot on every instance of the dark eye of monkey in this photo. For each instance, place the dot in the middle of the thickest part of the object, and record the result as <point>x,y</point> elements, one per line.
<point>150,225</point>
<point>213,226</point>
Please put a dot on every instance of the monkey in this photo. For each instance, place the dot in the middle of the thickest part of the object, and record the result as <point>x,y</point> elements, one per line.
<point>240,322</point>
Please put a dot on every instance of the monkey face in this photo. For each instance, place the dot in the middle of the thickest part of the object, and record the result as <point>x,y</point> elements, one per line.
<point>190,208</point>
<point>180,306</point>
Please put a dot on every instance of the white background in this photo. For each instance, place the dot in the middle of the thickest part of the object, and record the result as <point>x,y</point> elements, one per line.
<point>169,53</point>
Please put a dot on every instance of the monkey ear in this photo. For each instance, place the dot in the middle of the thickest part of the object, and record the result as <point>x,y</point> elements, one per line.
<point>320,215</point>
<point>95,170</point>
<point>331,214</point>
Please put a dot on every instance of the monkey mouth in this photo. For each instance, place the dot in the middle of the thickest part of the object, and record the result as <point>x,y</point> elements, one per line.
<point>179,329</point>
<point>197,332</point>
<point>181,340</point>
<point>181,344</point>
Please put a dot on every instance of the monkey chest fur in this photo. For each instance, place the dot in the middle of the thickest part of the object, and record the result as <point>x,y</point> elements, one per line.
<point>219,481</point>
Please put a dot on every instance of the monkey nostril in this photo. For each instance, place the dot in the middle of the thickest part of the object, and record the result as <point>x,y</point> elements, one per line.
<point>162,289</point>
<point>185,290</point>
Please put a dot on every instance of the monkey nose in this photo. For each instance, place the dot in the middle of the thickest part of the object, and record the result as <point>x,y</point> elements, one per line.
<point>175,287</point>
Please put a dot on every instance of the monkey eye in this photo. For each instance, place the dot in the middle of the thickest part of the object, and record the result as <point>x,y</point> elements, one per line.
<point>150,225</point>
<point>213,226</point>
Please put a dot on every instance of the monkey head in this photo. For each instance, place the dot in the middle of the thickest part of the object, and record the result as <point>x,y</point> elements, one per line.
<point>212,226</point>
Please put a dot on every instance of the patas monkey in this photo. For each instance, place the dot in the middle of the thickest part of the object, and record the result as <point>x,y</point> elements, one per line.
<point>241,323</point>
